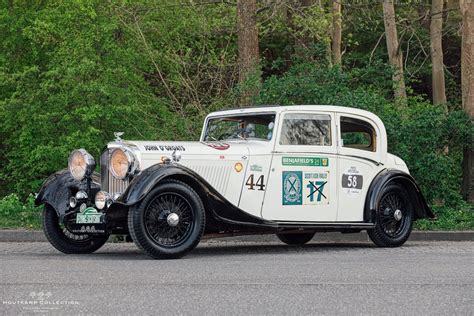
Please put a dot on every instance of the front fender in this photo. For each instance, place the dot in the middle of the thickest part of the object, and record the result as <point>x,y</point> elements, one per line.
<point>222,210</point>
<point>142,184</point>
<point>59,186</point>
<point>381,180</point>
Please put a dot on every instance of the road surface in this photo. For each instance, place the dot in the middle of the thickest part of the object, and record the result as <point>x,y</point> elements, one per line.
<point>238,276</point>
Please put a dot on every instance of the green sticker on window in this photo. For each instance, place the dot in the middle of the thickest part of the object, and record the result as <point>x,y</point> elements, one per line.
<point>305,161</point>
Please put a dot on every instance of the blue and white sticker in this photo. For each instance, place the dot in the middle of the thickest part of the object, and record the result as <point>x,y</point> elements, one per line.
<point>292,182</point>
<point>316,188</point>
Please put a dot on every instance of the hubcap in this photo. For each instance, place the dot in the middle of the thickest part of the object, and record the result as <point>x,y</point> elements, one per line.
<point>169,219</point>
<point>173,219</point>
<point>397,215</point>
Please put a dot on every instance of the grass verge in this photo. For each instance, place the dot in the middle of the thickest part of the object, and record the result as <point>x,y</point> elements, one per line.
<point>461,218</point>
<point>15,213</point>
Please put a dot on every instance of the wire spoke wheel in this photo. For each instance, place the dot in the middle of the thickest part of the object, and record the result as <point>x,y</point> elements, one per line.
<point>392,214</point>
<point>168,219</point>
<point>394,218</point>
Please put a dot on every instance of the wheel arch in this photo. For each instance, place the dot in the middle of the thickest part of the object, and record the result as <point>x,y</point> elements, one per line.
<point>156,174</point>
<point>389,176</point>
<point>218,209</point>
<point>58,187</point>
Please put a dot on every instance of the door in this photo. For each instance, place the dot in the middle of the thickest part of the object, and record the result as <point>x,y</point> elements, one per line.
<point>302,177</point>
<point>359,159</point>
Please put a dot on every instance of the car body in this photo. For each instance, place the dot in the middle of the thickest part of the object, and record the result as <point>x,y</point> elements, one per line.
<point>288,170</point>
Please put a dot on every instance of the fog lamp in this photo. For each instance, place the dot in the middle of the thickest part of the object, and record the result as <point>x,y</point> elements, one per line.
<point>72,202</point>
<point>101,199</point>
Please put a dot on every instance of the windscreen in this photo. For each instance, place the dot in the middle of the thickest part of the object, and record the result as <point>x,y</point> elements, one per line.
<point>254,126</point>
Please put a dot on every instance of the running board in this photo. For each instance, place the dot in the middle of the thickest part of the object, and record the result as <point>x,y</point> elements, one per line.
<point>328,225</point>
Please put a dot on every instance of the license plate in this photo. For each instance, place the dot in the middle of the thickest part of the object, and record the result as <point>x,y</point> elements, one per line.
<point>89,216</point>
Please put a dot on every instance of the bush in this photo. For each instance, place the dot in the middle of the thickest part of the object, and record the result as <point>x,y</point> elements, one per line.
<point>461,218</point>
<point>15,213</point>
<point>431,142</point>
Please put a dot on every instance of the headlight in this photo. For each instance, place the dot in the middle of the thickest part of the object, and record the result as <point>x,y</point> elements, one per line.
<point>122,163</point>
<point>81,164</point>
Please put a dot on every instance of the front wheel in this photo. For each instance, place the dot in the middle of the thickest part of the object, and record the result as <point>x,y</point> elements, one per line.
<point>394,218</point>
<point>169,222</point>
<point>65,241</point>
<point>295,238</point>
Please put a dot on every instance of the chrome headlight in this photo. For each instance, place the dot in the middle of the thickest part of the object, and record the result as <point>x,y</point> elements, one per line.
<point>101,199</point>
<point>122,163</point>
<point>81,164</point>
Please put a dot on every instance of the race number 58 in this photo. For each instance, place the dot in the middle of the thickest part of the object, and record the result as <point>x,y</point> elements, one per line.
<point>352,181</point>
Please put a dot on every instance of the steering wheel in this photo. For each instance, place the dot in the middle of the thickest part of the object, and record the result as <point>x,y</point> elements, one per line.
<point>237,132</point>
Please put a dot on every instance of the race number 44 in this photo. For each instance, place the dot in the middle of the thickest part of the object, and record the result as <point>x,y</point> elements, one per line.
<point>260,183</point>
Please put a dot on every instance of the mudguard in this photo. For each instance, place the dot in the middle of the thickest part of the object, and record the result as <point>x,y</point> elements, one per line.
<point>222,210</point>
<point>59,186</point>
<point>381,180</point>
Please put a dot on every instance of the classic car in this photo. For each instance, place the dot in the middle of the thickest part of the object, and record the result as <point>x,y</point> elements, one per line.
<point>285,170</point>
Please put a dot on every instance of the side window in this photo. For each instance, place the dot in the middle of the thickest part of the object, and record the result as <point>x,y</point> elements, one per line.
<point>357,134</point>
<point>306,129</point>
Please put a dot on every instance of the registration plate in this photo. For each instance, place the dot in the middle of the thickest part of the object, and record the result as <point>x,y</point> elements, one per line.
<point>89,216</point>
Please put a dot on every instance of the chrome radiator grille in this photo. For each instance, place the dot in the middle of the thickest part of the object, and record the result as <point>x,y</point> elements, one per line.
<point>108,182</point>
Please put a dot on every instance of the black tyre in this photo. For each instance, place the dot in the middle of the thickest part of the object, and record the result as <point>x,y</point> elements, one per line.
<point>65,241</point>
<point>295,239</point>
<point>394,218</point>
<point>169,222</point>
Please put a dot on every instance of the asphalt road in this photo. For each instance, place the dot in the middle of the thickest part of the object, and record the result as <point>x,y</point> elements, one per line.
<point>241,277</point>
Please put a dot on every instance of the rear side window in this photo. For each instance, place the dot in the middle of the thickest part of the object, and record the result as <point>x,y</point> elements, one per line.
<point>357,134</point>
<point>306,129</point>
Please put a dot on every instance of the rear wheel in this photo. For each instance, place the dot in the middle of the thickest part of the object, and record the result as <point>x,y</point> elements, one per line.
<point>394,218</point>
<point>295,239</point>
<point>65,241</point>
<point>169,222</point>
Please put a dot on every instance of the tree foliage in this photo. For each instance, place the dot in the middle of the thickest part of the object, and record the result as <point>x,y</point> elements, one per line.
<point>73,72</point>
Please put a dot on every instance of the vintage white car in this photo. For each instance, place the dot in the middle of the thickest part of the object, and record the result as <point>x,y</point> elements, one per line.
<point>287,170</point>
